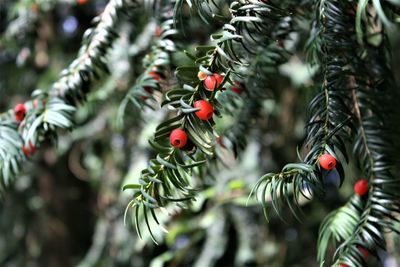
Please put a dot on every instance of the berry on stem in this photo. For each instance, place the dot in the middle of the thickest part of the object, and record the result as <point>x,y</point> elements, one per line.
<point>238,88</point>
<point>364,252</point>
<point>210,83</point>
<point>155,75</point>
<point>32,147</point>
<point>213,81</point>
<point>206,110</point>
<point>178,138</point>
<point>157,31</point>
<point>26,151</point>
<point>20,112</point>
<point>361,187</point>
<point>82,2</point>
<point>327,161</point>
<point>201,75</point>
<point>219,78</point>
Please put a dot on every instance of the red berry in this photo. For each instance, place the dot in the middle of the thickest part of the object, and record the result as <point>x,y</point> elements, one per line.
<point>20,112</point>
<point>201,75</point>
<point>32,147</point>
<point>361,187</point>
<point>155,75</point>
<point>364,252</point>
<point>157,31</point>
<point>327,161</point>
<point>210,82</point>
<point>219,78</point>
<point>237,90</point>
<point>178,138</point>
<point>213,81</point>
<point>343,265</point>
<point>25,150</point>
<point>206,110</point>
<point>82,2</point>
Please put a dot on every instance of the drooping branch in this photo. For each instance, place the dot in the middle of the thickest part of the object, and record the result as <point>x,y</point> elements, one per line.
<point>49,111</point>
<point>168,177</point>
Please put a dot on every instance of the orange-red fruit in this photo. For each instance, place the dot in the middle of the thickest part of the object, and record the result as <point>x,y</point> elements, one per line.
<point>178,138</point>
<point>206,110</point>
<point>237,90</point>
<point>82,2</point>
<point>343,265</point>
<point>25,150</point>
<point>32,147</point>
<point>201,75</point>
<point>155,75</point>
<point>361,187</point>
<point>364,252</point>
<point>327,161</point>
<point>20,112</point>
<point>219,78</point>
<point>210,83</point>
<point>157,31</point>
<point>213,81</point>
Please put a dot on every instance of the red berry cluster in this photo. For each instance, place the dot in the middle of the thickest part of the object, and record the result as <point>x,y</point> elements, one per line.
<point>328,162</point>
<point>213,81</point>
<point>20,113</point>
<point>178,138</point>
